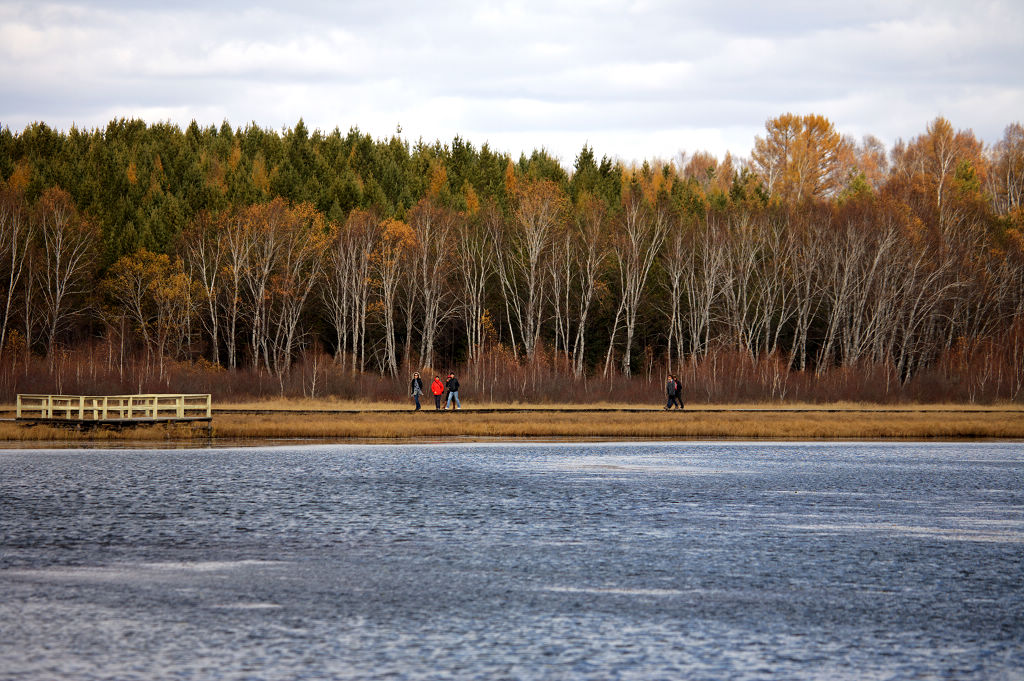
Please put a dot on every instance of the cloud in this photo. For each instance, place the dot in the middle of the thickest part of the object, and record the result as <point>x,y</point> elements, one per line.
<point>633,79</point>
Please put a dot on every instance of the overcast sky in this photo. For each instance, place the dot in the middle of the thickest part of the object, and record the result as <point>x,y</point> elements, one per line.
<point>633,80</point>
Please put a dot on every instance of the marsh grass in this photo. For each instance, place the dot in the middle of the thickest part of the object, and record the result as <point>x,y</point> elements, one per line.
<point>629,425</point>
<point>11,431</point>
<point>329,405</point>
<point>841,421</point>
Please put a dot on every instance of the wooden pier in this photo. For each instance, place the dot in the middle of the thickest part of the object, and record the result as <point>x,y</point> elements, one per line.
<point>90,411</point>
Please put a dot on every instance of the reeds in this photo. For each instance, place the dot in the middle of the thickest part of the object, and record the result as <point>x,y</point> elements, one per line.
<point>846,422</point>
<point>632,425</point>
<point>722,376</point>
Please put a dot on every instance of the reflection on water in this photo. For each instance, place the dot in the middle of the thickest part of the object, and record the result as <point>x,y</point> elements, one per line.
<point>532,561</point>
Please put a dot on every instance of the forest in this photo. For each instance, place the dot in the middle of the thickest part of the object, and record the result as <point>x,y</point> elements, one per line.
<point>251,263</point>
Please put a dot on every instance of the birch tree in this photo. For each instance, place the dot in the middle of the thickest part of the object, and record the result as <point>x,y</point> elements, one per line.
<point>204,254</point>
<point>521,251</point>
<point>475,249</point>
<point>803,262</point>
<point>434,228</point>
<point>301,253</point>
<point>703,286</point>
<point>931,161</point>
<point>592,252</point>
<point>15,241</point>
<point>676,261</point>
<point>346,288</point>
<point>266,229</point>
<point>640,234</point>
<point>156,294</point>
<point>68,245</point>
<point>396,244</point>
<point>235,236</point>
<point>1007,175</point>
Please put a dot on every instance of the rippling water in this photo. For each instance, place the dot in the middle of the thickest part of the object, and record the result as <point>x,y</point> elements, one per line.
<point>524,561</point>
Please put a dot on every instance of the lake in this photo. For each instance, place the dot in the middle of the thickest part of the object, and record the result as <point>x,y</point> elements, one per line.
<point>514,561</point>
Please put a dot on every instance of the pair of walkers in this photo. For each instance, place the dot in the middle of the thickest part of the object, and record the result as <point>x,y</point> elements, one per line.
<point>437,388</point>
<point>674,390</point>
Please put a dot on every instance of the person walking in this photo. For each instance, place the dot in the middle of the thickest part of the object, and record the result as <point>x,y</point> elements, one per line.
<point>670,391</point>
<point>452,385</point>
<point>437,388</point>
<point>679,393</point>
<point>417,388</point>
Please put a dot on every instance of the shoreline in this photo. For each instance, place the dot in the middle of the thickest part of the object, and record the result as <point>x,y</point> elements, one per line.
<point>263,443</point>
<point>255,423</point>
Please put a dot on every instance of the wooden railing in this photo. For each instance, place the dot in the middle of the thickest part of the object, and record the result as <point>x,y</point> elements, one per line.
<point>165,407</point>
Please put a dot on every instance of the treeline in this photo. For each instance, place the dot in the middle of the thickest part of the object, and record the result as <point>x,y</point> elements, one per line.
<point>226,253</point>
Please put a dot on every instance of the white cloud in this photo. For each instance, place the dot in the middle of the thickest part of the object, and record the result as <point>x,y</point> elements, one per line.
<point>634,80</point>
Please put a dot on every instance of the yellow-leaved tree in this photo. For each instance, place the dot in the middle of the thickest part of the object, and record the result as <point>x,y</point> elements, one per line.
<point>801,157</point>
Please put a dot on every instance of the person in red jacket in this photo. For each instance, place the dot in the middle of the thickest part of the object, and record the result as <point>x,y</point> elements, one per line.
<point>437,388</point>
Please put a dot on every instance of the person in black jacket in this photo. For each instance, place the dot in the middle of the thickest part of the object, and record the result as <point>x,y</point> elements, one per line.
<point>671,390</point>
<point>679,392</point>
<point>417,389</point>
<point>452,386</point>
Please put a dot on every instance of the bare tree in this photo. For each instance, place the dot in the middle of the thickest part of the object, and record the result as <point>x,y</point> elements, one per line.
<point>268,230</point>
<point>642,230</point>
<point>845,259</point>
<point>15,240</point>
<point>302,249</point>
<point>703,286</point>
<point>676,262</point>
<point>591,219</point>
<point>774,299</point>
<point>68,250</point>
<point>434,227</point>
<point>474,247</point>
<point>1007,175</point>
<point>563,275</point>
<point>396,244</point>
<point>741,252</point>
<point>804,257</point>
<point>235,236</point>
<point>204,254</point>
<point>347,283</point>
<point>521,250</point>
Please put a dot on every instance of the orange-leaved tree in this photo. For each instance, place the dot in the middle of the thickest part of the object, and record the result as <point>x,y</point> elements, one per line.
<point>801,157</point>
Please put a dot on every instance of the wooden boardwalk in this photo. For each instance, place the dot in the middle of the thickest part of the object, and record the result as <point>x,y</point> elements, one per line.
<point>90,411</point>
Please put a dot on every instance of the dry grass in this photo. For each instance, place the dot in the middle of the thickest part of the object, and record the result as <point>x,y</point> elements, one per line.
<point>631,425</point>
<point>798,422</point>
<point>11,431</point>
<point>305,404</point>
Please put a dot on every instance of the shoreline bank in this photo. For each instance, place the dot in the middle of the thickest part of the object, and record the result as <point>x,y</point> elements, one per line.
<point>256,423</point>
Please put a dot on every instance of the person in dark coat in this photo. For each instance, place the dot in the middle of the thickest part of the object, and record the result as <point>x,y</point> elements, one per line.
<point>679,392</point>
<point>671,388</point>
<point>417,389</point>
<point>452,386</point>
